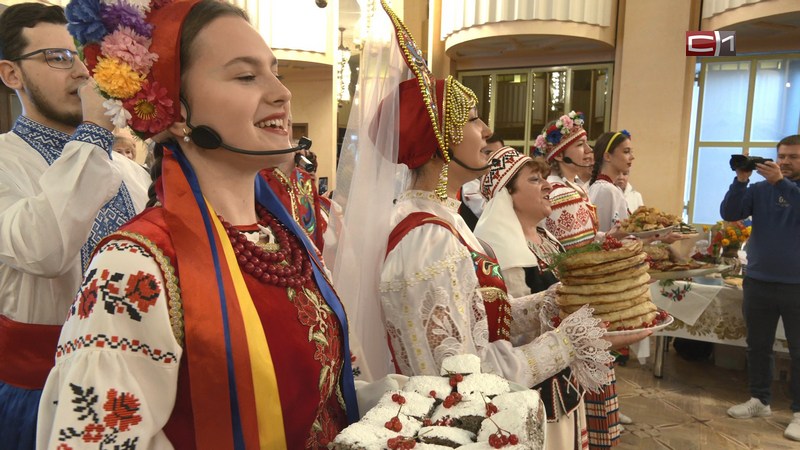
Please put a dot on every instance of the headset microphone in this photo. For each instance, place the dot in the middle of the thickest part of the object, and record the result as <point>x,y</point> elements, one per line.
<point>569,160</point>
<point>492,162</point>
<point>206,137</point>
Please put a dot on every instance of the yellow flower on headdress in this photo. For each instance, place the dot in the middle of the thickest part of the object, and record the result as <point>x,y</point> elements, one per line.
<point>725,242</point>
<point>116,78</point>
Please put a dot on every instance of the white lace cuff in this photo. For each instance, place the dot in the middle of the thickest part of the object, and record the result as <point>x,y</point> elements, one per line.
<point>576,343</point>
<point>592,358</point>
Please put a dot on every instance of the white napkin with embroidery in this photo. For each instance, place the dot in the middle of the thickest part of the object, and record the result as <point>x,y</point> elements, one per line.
<point>683,300</point>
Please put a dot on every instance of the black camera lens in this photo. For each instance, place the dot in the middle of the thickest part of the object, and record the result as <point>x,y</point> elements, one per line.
<point>739,162</point>
<point>746,163</point>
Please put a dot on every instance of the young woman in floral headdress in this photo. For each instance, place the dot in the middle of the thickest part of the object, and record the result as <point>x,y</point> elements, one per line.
<point>207,322</point>
<point>574,223</point>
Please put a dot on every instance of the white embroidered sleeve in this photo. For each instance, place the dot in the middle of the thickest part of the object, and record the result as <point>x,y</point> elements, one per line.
<point>532,314</point>
<point>432,309</point>
<point>116,371</point>
<point>577,343</point>
<point>431,305</point>
<point>515,282</point>
<point>60,216</point>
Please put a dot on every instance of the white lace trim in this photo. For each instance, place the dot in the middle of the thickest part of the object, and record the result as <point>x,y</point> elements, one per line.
<point>448,263</point>
<point>592,358</point>
<point>437,313</point>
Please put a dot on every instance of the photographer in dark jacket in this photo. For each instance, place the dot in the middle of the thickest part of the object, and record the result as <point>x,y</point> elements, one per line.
<point>772,282</point>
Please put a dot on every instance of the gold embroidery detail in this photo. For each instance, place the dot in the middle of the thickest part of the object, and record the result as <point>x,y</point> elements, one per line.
<point>290,189</point>
<point>168,271</point>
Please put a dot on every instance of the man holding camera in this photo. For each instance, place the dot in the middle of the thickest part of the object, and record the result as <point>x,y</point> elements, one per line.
<point>772,282</point>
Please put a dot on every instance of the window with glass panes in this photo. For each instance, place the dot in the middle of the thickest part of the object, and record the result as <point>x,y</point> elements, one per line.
<point>518,103</point>
<point>740,105</point>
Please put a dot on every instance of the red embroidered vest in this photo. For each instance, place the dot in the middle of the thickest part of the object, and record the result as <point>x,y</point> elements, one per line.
<point>307,369</point>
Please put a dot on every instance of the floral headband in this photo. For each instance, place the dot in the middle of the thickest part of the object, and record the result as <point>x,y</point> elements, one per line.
<point>555,138</point>
<point>131,49</point>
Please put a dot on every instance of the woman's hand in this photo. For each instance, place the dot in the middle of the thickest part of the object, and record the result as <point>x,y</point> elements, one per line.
<point>617,232</point>
<point>619,341</point>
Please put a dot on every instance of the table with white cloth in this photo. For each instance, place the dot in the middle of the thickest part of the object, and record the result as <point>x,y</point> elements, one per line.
<point>710,313</point>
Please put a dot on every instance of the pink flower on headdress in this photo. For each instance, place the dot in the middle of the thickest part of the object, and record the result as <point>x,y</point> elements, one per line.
<point>151,109</point>
<point>540,142</point>
<point>127,45</point>
<point>567,122</point>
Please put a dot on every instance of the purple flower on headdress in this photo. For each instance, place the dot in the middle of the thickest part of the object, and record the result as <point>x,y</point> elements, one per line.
<point>85,22</point>
<point>626,133</point>
<point>538,152</point>
<point>124,14</point>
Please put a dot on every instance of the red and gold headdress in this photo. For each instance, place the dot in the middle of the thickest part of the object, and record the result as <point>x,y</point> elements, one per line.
<point>446,103</point>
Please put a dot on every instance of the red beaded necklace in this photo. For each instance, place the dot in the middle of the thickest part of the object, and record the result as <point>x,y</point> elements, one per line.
<point>285,268</point>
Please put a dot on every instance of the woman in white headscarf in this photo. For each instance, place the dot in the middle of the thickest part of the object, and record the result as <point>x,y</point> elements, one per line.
<point>519,200</point>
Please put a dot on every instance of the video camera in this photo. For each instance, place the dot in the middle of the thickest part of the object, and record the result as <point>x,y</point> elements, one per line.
<point>746,163</point>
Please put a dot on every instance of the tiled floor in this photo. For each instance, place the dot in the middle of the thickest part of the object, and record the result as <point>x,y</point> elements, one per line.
<point>685,410</point>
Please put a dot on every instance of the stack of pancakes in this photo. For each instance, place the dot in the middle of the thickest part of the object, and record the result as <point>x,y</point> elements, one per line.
<point>614,282</point>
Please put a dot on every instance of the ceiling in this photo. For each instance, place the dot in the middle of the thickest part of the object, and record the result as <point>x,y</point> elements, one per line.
<point>783,28</point>
<point>511,46</point>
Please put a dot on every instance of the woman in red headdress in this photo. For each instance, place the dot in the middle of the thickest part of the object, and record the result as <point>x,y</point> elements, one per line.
<point>208,321</point>
<point>439,293</point>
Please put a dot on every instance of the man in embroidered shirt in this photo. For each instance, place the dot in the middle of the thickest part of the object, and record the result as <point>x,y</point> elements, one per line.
<point>61,191</point>
<point>772,282</point>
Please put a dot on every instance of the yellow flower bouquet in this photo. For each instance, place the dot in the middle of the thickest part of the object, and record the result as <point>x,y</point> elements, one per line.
<point>727,237</point>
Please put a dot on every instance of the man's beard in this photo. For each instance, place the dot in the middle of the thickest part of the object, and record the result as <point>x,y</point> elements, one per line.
<point>49,110</point>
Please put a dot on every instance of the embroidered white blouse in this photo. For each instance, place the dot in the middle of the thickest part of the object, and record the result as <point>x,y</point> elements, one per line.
<point>433,308</point>
<point>44,214</point>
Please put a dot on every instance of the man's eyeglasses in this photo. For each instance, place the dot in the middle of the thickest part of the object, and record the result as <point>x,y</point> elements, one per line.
<point>57,58</point>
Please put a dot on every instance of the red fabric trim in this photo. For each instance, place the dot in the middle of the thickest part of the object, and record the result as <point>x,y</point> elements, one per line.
<point>604,177</point>
<point>28,350</point>
<point>167,24</point>
<point>203,320</point>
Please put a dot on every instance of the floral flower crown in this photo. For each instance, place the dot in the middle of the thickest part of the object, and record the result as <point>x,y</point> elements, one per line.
<point>554,137</point>
<point>114,38</point>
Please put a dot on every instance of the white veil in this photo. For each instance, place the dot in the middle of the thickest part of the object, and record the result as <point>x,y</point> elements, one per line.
<point>368,180</point>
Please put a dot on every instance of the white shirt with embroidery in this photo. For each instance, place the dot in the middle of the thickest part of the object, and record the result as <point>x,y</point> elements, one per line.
<point>433,308</point>
<point>46,214</point>
<point>116,373</point>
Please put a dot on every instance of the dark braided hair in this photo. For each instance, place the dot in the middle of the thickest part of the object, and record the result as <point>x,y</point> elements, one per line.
<point>200,15</point>
<point>600,149</point>
<point>155,172</point>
